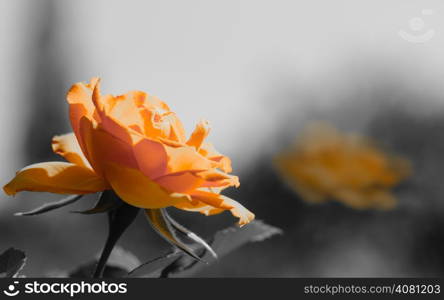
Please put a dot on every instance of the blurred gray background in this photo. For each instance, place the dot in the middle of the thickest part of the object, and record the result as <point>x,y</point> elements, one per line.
<point>258,71</point>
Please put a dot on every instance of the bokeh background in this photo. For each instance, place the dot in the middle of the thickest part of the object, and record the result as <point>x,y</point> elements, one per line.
<point>259,71</point>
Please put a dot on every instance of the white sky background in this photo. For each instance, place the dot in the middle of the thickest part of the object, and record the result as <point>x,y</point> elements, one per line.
<point>218,60</point>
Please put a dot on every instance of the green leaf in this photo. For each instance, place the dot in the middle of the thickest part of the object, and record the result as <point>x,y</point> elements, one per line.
<point>162,225</point>
<point>226,241</point>
<point>108,200</point>
<point>50,206</point>
<point>119,264</point>
<point>11,262</point>
<point>223,242</point>
<point>86,271</point>
<point>157,266</point>
<point>123,259</point>
<point>154,268</point>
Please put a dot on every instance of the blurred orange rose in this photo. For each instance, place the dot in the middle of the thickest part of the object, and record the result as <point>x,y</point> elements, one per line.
<point>325,164</point>
<point>135,145</point>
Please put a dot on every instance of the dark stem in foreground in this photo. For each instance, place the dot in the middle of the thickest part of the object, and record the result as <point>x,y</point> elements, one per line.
<point>119,220</point>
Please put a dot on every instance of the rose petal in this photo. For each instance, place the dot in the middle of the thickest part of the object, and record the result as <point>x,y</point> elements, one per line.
<point>181,182</point>
<point>213,203</point>
<point>187,181</point>
<point>160,124</point>
<point>67,146</point>
<point>200,207</point>
<point>367,199</point>
<point>221,161</point>
<point>103,147</point>
<point>112,126</point>
<point>80,102</point>
<point>151,158</point>
<point>216,178</point>
<point>177,131</point>
<point>186,159</point>
<point>138,190</point>
<point>56,177</point>
<point>199,134</point>
<point>123,110</point>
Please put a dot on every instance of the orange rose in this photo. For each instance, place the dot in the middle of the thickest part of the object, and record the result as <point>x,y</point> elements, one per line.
<point>135,145</point>
<point>326,164</point>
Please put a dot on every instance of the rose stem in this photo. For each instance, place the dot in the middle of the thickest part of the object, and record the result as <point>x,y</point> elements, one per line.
<point>118,220</point>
